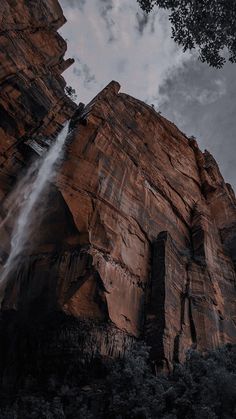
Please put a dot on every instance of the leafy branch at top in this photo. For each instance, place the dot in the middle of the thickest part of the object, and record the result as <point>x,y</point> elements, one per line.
<point>206,25</point>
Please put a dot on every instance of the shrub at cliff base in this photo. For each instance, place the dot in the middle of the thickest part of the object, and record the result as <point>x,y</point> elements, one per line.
<point>203,388</point>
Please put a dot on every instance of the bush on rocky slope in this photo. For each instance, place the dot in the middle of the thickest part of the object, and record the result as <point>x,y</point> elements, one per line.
<point>203,388</point>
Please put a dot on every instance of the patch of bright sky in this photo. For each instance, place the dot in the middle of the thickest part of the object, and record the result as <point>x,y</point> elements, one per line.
<point>111,40</point>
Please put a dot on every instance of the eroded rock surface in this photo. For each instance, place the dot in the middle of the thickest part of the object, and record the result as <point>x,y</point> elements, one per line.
<point>160,222</point>
<point>138,234</point>
<point>143,237</point>
<point>33,103</point>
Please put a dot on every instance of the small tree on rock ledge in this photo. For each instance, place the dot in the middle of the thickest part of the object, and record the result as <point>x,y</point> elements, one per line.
<point>71,92</point>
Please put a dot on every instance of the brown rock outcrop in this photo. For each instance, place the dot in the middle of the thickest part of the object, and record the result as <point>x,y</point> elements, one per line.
<point>129,176</point>
<point>138,234</point>
<point>145,235</point>
<point>32,100</point>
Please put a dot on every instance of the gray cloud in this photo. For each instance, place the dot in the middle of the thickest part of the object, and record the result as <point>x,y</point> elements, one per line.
<point>145,21</point>
<point>142,21</point>
<point>121,65</point>
<point>139,63</point>
<point>84,73</point>
<point>149,65</point>
<point>201,101</point>
<point>74,3</point>
<point>105,9</point>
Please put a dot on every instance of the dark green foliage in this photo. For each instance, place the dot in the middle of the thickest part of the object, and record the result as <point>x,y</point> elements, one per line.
<point>203,388</point>
<point>71,92</point>
<point>208,25</point>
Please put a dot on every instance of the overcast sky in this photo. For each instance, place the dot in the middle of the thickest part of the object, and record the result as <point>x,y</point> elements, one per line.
<point>114,40</point>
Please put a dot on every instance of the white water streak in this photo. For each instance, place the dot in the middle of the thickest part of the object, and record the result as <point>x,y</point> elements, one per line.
<point>32,192</point>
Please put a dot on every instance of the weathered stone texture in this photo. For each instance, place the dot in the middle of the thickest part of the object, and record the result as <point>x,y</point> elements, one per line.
<point>129,175</point>
<point>138,235</point>
<point>32,97</point>
<point>144,206</point>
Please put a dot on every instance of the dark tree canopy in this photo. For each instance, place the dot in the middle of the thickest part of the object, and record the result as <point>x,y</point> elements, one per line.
<point>204,387</point>
<point>207,25</point>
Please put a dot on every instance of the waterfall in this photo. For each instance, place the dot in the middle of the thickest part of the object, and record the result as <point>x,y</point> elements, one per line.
<point>27,198</point>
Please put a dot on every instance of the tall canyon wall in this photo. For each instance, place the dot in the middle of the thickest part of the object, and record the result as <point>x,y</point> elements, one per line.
<point>138,235</point>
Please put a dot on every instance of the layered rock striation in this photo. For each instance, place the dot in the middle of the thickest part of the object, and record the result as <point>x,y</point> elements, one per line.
<point>138,237</point>
<point>137,234</point>
<point>33,103</point>
<point>159,220</point>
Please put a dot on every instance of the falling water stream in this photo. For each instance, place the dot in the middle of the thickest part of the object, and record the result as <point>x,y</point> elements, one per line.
<point>32,190</point>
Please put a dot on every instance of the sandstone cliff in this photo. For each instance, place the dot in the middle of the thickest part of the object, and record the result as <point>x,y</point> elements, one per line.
<point>160,225</point>
<point>138,235</point>
<point>32,100</point>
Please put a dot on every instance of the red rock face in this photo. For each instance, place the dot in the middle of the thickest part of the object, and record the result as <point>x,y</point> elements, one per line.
<point>32,100</point>
<point>139,229</point>
<point>159,220</point>
<point>33,104</point>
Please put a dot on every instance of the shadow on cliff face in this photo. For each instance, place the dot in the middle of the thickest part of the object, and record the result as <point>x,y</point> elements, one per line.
<point>204,387</point>
<point>59,346</point>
